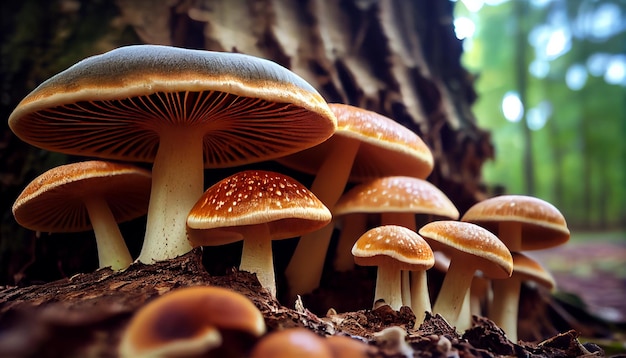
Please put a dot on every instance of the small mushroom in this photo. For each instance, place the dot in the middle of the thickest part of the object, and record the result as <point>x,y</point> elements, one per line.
<point>522,223</point>
<point>366,145</point>
<point>256,207</point>
<point>189,322</point>
<point>394,248</point>
<point>180,109</point>
<point>292,343</point>
<point>470,248</point>
<point>87,195</point>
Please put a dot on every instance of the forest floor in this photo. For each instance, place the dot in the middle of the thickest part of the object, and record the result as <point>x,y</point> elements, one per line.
<point>590,272</point>
<point>85,315</point>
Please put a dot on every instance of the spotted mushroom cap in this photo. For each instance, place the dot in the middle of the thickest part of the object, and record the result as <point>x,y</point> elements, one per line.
<point>465,241</point>
<point>387,148</point>
<point>394,245</point>
<point>187,322</point>
<point>55,200</point>
<point>396,194</point>
<point>543,225</point>
<point>250,198</point>
<point>115,105</point>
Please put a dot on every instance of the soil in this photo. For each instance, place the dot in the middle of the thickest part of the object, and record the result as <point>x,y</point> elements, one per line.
<point>85,315</point>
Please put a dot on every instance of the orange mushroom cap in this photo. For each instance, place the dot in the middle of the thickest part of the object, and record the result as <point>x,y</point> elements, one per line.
<point>228,209</point>
<point>188,321</point>
<point>542,225</point>
<point>387,148</point>
<point>55,200</point>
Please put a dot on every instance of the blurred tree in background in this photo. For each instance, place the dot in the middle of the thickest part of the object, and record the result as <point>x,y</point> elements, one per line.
<point>552,90</point>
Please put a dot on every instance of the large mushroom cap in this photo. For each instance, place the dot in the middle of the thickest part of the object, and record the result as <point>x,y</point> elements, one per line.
<point>116,105</point>
<point>466,241</point>
<point>386,147</point>
<point>542,224</point>
<point>254,197</point>
<point>396,194</point>
<point>55,200</point>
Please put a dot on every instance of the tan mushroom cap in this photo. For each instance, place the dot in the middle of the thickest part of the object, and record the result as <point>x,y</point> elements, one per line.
<point>460,239</point>
<point>188,321</point>
<point>292,343</point>
<point>396,194</point>
<point>527,269</point>
<point>55,200</point>
<point>347,347</point>
<point>542,224</point>
<point>232,206</point>
<point>387,148</point>
<point>395,246</point>
<point>117,104</point>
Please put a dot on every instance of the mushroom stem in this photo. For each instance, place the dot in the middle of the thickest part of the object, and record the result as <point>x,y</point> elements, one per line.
<point>401,219</point>
<point>177,183</point>
<point>464,322</point>
<point>408,221</point>
<point>456,283</point>
<point>388,286</point>
<point>304,271</point>
<point>354,225</point>
<point>112,249</point>
<point>420,299</point>
<point>256,257</point>
<point>510,233</point>
<point>505,305</point>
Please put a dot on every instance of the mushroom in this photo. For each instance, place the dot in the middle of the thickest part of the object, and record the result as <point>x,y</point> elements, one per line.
<point>470,248</point>
<point>366,145</point>
<point>290,343</point>
<point>522,223</point>
<point>181,109</point>
<point>394,248</point>
<point>505,305</point>
<point>398,199</point>
<point>256,207</point>
<point>83,196</point>
<point>189,322</point>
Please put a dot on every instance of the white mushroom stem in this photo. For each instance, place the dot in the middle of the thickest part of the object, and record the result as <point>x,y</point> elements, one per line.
<point>453,289</point>
<point>464,322</point>
<point>388,286</point>
<point>510,233</point>
<point>354,225</point>
<point>406,288</point>
<point>505,305</point>
<point>406,220</point>
<point>307,263</point>
<point>420,299</point>
<point>112,249</point>
<point>256,256</point>
<point>177,183</point>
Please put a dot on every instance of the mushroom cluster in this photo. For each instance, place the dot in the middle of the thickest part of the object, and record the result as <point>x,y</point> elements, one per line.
<point>187,111</point>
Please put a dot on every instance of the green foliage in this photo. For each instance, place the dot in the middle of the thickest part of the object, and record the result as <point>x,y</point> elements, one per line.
<point>579,154</point>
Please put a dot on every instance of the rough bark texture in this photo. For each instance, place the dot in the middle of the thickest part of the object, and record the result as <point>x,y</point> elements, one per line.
<point>398,58</point>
